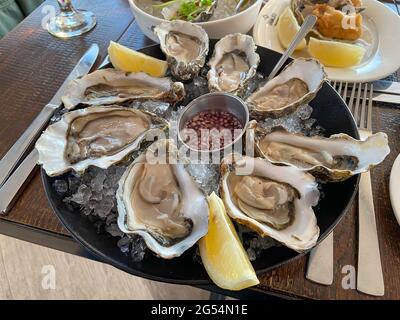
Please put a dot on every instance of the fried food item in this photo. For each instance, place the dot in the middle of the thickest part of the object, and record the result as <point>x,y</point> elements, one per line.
<point>357,3</point>
<point>336,24</point>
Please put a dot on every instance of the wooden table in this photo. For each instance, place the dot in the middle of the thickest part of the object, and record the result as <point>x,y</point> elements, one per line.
<point>33,64</point>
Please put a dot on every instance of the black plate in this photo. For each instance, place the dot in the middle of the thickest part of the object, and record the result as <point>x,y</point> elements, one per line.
<point>330,112</point>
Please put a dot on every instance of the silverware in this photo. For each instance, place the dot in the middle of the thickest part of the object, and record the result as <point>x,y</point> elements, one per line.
<point>390,87</point>
<point>12,186</point>
<point>304,30</point>
<point>386,98</point>
<point>18,150</point>
<point>369,268</point>
<point>105,62</point>
<point>239,5</point>
<point>320,262</point>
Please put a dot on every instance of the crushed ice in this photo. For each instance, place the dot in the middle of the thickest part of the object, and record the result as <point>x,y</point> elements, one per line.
<point>299,121</point>
<point>94,191</point>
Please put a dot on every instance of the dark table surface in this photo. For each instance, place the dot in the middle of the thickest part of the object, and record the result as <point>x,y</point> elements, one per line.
<point>33,65</point>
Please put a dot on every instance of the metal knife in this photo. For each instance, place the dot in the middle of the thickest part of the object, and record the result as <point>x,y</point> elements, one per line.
<point>389,87</point>
<point>18,150</point>
<point>14,185</point>
<point>320,263</point>
<point>387,98</point>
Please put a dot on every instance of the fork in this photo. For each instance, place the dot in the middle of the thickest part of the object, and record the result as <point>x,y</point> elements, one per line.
<point>369,268</point>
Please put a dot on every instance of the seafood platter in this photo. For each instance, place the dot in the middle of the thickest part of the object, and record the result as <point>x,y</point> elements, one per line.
<point>132,186</point>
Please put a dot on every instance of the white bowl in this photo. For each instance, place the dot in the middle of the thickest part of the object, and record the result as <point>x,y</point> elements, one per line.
<point>238,23</point>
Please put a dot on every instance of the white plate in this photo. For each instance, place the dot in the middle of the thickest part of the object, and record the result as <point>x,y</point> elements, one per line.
<point>381,24</point>
<point>395,188</point>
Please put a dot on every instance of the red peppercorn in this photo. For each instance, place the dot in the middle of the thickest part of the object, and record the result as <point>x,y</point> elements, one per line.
<point>223,128</point>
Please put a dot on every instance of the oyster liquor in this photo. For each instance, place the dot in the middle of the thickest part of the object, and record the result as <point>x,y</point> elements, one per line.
<point>207,309</point>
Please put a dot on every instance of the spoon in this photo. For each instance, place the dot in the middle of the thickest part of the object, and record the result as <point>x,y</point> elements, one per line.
<point>239,5</point>
<point>308,24</point>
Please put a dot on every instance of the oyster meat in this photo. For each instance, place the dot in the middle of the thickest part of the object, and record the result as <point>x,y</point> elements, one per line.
<point>111,86</point>
<point>296,85</point>
<point>94,136</point>
<point>185,45</point>
<point>160,201</point>
<point>274,201</point>
<point>233,63</point>
<point>333,159</point>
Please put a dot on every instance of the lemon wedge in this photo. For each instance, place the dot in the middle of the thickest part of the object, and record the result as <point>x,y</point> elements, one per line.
<point>336,54</point>
<point>129,60</point>
<point>222,252</point>
<point>287,29</point>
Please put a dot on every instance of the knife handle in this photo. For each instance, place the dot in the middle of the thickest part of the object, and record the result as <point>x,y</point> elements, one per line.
<point>320,262</point>
<point>14,185</point>
<point>17,151</point>
<point>369,275</point>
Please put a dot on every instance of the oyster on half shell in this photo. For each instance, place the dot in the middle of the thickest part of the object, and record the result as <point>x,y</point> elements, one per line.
<point>274,201</point>
<point>95,136</point>
<point>111,86</point>
<point>332,159</point>
<point>296,85</point>
<point>158,200</point>
<point>233,63</point>
<point>185,45</point>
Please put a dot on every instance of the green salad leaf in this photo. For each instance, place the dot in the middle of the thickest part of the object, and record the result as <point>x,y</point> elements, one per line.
<point>188,9</point>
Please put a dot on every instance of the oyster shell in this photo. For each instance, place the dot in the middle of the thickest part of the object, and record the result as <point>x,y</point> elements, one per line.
<point>111,86</point>
<point>159,201</point>
<point>185,45</point>
<point>94,136</point>
<point>274,201</point>
<point>233,63</point>
<point>332,159</point>
<point>296,85</point>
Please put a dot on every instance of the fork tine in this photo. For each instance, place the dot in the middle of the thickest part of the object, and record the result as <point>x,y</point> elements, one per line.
<point>352,95</point>
<point>357,106</point>
<point>369,117</point>
<point>339,90</point>
<point>345,91</point>
<point>363,120</point>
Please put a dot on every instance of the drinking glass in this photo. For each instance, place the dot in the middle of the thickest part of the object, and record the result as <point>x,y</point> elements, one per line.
<point>70,22</point>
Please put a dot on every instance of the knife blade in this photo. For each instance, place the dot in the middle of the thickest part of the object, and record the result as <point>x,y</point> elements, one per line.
<point>18,150</point>
<point>390,87</point>
<point>387,98</point>
<point>14,185</point>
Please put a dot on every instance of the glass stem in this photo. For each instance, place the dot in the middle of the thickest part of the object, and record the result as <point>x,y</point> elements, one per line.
<point>66,6</point>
